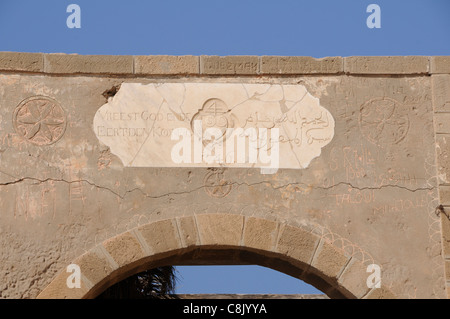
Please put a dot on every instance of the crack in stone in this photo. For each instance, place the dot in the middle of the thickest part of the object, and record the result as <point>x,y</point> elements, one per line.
<point>308,186</point>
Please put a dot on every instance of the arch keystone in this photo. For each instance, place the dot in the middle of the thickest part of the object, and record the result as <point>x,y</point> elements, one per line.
<point>220,229</point>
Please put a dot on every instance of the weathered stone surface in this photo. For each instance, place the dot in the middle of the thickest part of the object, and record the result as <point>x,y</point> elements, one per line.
<point>66,195</point>
<point>220,229</point>
<point>441,92</point>
<point>440,64</point>
<point>301,65</point>
<point>161,236</point>
<point>329,260</point>
<point>445,222</point>
<point>297,243</point>
<point>229,65</point>
<point>124,248</point>
<point>188,231</point>
<point>166,65</point>
<point>256,231</point>
<point>380,293</point>
<point>442,121</point>
<point>355,277</point>
<point>19,61</point>
<point>447,269</point>
<point>443,157</point>
<point>60,290</point>
<point>94,266</point>
<point>88,64</point>
<point>386,65</point>
<point>444,195</point>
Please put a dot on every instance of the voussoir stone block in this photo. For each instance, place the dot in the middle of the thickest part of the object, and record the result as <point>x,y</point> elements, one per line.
<point>260,233</point>
<point>297,243</point>
<point>161,236</point>
<point>329,260</point>
<point>166,65</point>
<point>188,231</point>
<point>60,290</point>
<point>301,65</point>
<point>386,65</point>
<point>220,229</point>
<point>124,249</point>
<point>354,278</point>
<point>20,61</point>
<point>94,266</point>
<point>88,64</point>
<point>380,293</point>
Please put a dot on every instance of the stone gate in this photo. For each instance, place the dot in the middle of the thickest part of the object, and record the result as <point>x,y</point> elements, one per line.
<point>103,165</point>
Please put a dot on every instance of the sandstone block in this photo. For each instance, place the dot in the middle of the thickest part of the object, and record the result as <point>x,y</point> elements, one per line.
<point>229,65</point>
<point>20,61</point>
<point>260,233</point>
<point>161,236</point>
<point>386,65</point>
<point>440,64</point>
<point>220,229</point>
<point>297,243</point>
<point>301,65</point>
<point>88,64</point>
<point>124,249</point>
<point>329,260</point>
<point>441,92</point>
<point>442,122</point>
<point>443,158</point>
<point>354,278</point>
<point>188,231</point>
<point>166,65</point>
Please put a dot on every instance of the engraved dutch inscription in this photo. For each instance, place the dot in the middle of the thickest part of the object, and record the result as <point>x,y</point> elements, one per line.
<point>214,125</point>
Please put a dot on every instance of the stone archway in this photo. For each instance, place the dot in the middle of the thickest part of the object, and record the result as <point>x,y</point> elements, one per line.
<point>299,251</point>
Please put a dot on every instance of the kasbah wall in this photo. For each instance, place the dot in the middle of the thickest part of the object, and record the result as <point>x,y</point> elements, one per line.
<point>364,175</point>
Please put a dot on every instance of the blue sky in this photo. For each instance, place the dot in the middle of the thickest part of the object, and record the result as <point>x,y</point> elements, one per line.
<point>316,28</point>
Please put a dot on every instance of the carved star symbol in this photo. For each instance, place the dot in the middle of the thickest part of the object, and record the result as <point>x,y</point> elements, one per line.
<point>40,118</point>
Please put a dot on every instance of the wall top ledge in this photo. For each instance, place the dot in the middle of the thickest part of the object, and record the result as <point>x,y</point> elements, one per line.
<point>204,65</point>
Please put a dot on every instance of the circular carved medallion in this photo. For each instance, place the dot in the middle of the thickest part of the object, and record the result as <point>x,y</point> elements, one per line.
<point>214,114</point>
<point>382,122</point>
<point>40,120</point>
<point>216,185</point>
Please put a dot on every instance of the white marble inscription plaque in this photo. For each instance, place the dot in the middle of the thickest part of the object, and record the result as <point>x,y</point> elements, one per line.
<point>140,124</point>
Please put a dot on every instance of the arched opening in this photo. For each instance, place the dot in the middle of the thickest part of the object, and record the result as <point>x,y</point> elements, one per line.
<point>211,281</point>
<point>249,280</point>
<point>228,256</point>
<point>219,239</point>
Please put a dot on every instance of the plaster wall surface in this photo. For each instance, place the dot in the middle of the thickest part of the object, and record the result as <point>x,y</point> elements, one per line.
<point>364,168</point>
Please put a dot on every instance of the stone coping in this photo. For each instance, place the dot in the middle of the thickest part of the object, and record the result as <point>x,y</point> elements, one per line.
<point>242,65</point>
